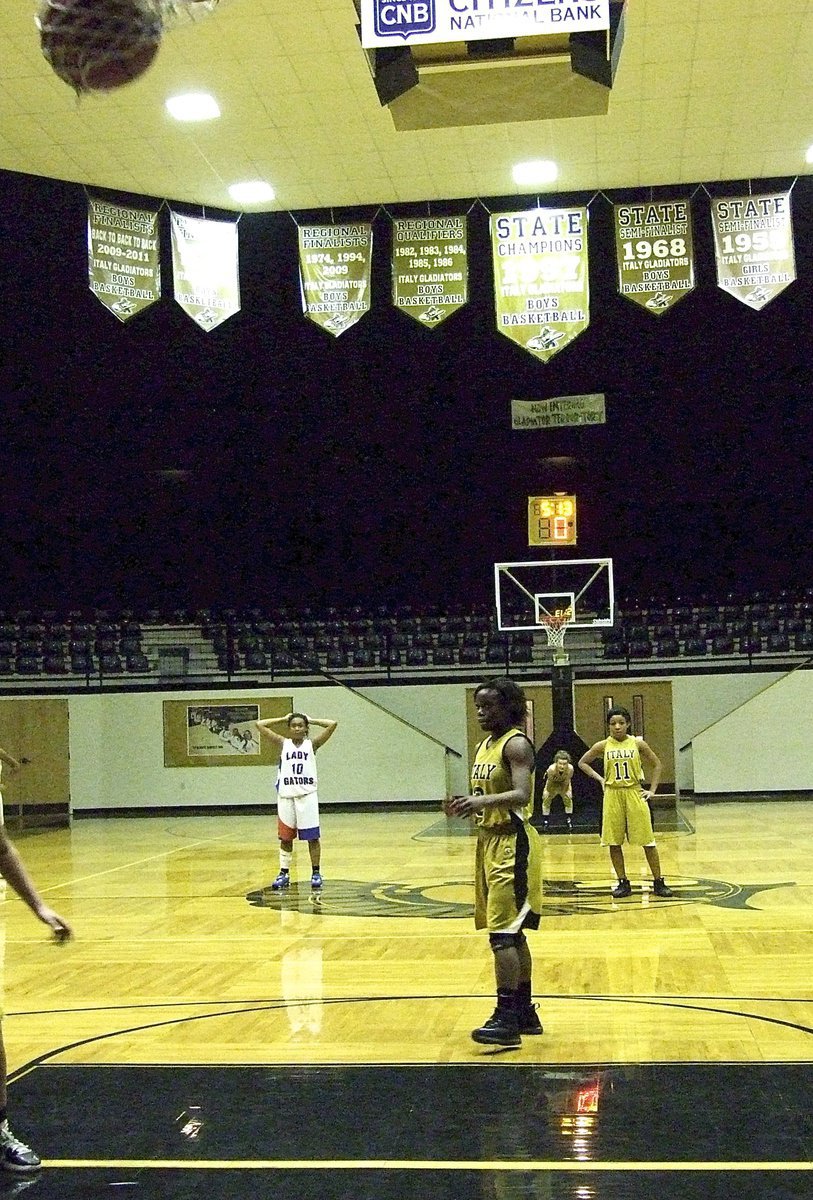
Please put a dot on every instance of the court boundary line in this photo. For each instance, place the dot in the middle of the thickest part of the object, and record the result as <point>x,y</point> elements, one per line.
<point>388,1164</point>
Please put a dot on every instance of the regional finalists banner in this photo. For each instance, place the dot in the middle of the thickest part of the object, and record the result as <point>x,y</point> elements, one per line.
<point>654,252</point>
<point>753,246</point>
<point>124,270</point>
<point>541,287</point>
<point>205,269</point>
<point>430,272</point>
<point>334,274</point>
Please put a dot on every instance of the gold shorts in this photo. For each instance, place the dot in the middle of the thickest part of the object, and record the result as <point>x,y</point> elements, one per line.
<point>508,880</point>
<point>626,817</point>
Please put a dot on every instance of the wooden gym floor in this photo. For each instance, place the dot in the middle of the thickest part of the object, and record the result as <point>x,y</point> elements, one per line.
<point>205,1037</point>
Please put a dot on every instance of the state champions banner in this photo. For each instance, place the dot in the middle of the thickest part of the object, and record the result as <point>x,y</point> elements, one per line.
<point>654,252</point>
<point>753,246</point>
<point>334,274</point>
<point>541,285</point>
<point>124,268</point>
<point>205,269</point>
<point>430,268</point>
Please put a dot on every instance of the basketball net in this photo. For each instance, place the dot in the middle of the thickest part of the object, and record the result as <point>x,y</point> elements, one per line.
<point>555,626</point>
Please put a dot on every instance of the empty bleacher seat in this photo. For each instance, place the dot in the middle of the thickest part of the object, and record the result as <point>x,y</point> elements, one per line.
<point>137,663</point>
<point>228,663</point>
<point>6,665</point>
<point>751,645</point>
<point>54,664</point>
<point>722,644</point>
<point>667,647</point>
<point>640,648</point>
<point>417,656</point>
<point>615,649</point>
<point>363,657</point>
<point>469,656</point>
<point>255,660</point>
<point>496,652</point>
<point>778,643</point>
<point>110,664</point>
<point>26,664</point>
<point>694,647</point>
<point>443,656</point>
<point>803,640</point>
<point>337,659</point>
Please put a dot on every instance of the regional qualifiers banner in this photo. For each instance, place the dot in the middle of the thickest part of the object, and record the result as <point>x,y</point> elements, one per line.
<point>753,246</point>
<point>124,270</point>
<point>430,275</point>
<point>654,253</point>
<point>541,286</point>
<point>334,274</point>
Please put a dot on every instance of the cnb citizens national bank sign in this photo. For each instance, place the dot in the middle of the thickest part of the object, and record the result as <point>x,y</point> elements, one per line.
<point>408,22</point>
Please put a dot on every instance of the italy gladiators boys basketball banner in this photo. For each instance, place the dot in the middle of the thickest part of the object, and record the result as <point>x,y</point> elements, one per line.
<point>334,274</point>
<point>430,269</point>
<point>124,270</point>
<point>541,288</point>
<point>654,252</point>
<point>753,246</point>
<point>205,270</point>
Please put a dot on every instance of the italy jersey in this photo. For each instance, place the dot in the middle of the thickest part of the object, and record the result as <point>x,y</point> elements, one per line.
<point>490,776</point>
<point>622,763</point>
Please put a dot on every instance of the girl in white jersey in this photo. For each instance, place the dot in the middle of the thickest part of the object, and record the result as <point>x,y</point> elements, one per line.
<point>298,802</point>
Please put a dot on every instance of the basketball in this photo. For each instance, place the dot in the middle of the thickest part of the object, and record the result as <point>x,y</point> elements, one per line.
<point>99,45</point>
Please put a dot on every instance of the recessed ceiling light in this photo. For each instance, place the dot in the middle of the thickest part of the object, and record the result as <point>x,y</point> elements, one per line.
<point>252,192</point>
<point>195,106</point>
<point>532,173</point>
<point>809,155</point>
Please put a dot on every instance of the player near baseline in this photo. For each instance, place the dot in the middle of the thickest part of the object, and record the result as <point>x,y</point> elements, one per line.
<point>625,811</point>
<point>15,1156</point>
<point>298,802</point>
<point>558,782</point>
<point>508,875</point>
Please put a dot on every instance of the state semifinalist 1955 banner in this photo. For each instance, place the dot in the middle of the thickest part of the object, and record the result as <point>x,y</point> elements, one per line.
<point>205,269</point>
<point>654,252</point>
<point>753,246</point>
<point>334,273</point>
<point>430,268</point>
<point>541,286</point>
<point>124,266</point>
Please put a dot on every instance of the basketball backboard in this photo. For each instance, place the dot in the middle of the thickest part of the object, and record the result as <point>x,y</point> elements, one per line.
<point>529,593</point>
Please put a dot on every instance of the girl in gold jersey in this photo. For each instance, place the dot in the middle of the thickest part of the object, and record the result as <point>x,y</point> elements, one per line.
<point>508,870</point>
<point>625,812</point>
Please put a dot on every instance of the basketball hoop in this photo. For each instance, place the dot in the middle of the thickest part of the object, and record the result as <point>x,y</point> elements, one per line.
<point>555,625</point>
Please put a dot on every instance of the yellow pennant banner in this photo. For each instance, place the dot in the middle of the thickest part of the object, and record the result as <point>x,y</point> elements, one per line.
<point>753,246</point>
<point>205,269</point>
<point>541,287</point>
<point>430,271</point>
<point>654,252</point>
<point>334,274</point>
<point>124,269</point>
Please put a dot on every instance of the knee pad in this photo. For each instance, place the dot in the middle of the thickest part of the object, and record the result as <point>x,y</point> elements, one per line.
<point>503,941</point>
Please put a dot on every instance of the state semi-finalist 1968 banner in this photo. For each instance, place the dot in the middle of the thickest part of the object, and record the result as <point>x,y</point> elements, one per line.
<point>541,286</point>
<point>753,246</point>
<point>334,273</point>
<point>124,267</point>
<point>654,252</point>
<point>430,267</point>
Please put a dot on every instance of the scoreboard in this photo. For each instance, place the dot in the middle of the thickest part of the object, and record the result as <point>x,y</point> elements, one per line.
<point>552,520</point>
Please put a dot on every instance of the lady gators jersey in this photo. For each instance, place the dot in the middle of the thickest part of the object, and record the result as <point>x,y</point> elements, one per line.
<point>622,763</point>
<point>490,776</point>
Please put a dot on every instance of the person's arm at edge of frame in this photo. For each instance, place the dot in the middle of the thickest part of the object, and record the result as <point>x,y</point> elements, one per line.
<point>15,874</point>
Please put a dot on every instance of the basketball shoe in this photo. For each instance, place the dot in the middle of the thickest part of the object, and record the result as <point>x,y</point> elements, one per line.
<point>316,881</point>
<point>14,1154</point>
<point>501,1029</point>
<point>283,880</point>
<point>622,888</point>
<point>528,1020</point>
<point>660,889</point>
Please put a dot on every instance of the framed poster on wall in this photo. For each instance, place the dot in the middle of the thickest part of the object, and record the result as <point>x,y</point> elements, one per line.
<point>220,733</point>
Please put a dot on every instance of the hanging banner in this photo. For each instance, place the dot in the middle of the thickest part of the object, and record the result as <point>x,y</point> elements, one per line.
<point>654,252</point>
<point>205,271</point>
<point>753,246</point>
<point>124,269</point>
<point>411,22</point>
<point>334,274</point>
<point>430,270</point>
<point>558,411</point>
<point>541,287</point>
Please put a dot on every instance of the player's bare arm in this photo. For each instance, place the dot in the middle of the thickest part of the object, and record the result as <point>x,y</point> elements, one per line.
<point>264,726</point>
<point>328,729</point>
<point>589,756</point>
<point>654,764</point>
<point>15,874</point>
<point>519,758</point>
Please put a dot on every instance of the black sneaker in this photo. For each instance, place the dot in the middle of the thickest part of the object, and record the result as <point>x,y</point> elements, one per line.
<point>660,889</point>
<point>622,888</point>
<point>528,1020</point>
<point>501,1029</point>
<point>15,1155</point>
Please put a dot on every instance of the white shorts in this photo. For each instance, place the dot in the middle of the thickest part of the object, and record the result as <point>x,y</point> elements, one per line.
<point>298,817</point>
